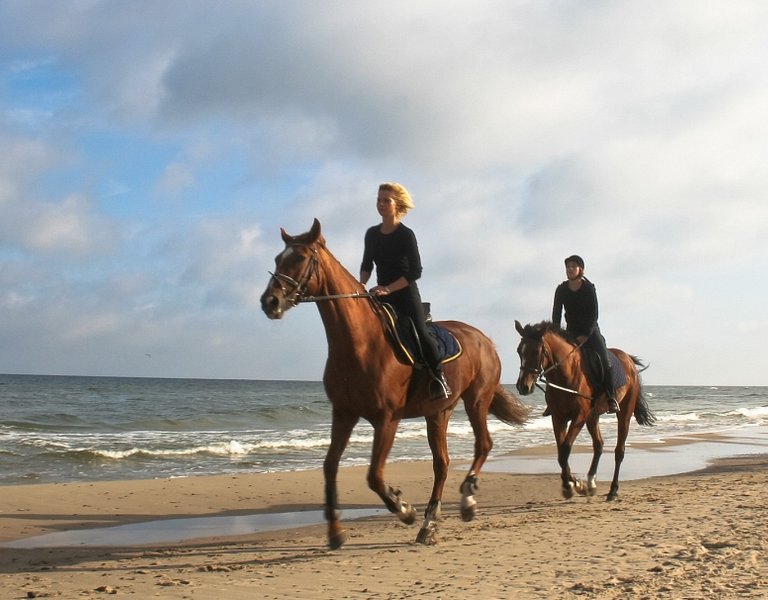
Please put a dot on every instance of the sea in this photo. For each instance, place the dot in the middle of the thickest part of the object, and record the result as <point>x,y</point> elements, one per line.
<point>67,429</point>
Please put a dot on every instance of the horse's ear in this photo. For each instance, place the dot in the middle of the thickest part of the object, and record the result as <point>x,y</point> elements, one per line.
<point>519,327</point>
<point>283,234</point>
<point>314,232</point>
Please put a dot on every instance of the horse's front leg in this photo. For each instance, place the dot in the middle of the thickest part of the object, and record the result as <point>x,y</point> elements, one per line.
<point>437,427</point>
<point>383,438</point>
<point>341,429</point>
<point>564,437</point>
<point>593,426</point>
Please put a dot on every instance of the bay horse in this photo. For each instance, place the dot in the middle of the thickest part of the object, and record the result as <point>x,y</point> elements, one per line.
<point>364,379</point>
<point>547,355</point>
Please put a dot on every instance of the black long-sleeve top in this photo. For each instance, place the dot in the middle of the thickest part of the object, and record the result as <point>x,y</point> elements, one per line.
<point>580,308</point>
<point>395,254</point>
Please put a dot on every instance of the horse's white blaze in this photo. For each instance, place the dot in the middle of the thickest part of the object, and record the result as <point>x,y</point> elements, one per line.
<point>522,353</point>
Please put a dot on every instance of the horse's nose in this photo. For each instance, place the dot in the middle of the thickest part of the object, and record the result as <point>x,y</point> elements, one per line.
<point>271,306</point>
<point>523,389</point>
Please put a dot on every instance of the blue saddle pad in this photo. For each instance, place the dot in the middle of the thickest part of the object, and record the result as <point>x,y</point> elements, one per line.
<point>619,376</point>
<point>406,345</point>
<point>594,369</point>
<point>448,346</point>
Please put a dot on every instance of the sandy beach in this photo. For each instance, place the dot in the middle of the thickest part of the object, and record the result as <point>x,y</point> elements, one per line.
<point>693,535</point>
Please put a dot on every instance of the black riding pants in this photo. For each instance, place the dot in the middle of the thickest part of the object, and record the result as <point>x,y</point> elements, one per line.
<point>407,302</point>
<point>596,343</point>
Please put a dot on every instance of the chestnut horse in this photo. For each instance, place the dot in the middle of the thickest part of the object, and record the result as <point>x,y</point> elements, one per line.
<point>363,379</point>
<point>546,355</point>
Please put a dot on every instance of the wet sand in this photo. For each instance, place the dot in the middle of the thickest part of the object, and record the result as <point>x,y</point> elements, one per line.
<point>692,535</point>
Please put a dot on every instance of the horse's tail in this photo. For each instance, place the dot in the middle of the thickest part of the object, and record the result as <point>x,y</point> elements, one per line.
<point>643,413</point>
<point>508,408</point>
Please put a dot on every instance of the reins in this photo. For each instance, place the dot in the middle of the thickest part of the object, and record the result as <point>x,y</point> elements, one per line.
<point>334,297</point>
<point>555,365</point>
<point>559,387</point>
<point>296,295</point>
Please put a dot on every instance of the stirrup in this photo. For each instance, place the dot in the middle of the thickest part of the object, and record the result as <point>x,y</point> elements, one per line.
<point>442,389</point>
<point>613,406</point>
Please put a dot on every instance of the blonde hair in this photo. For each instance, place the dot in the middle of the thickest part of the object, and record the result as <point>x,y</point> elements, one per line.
<point>400,195</point>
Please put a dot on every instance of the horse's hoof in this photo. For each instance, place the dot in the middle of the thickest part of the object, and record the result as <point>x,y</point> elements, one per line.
<point>427,533</point>
<point>567,491</point>
<point>468,508</point>
<point>337,541</point>
<point>611,497</point>
<point>468,513</point>
<point>407,514</point>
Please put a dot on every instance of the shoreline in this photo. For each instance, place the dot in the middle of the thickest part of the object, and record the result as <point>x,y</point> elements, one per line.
<point>197,497</point>
<point>671,455</point>
<point>679,455</point>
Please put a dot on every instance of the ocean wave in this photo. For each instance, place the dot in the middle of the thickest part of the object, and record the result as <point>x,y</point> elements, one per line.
<point>230,448</point>
<point>61,429</point>
<point>757,412</point>
<point>678,418</point>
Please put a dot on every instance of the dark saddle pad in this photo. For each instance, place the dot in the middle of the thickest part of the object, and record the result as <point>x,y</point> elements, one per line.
<point>595,369</point>
<point>405,343</point>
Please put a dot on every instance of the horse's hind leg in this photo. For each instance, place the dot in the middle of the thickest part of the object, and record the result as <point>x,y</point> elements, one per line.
<point>625,418</point>
<point>437,427</point>
<point>341,429</point>
<point>483,445</point>
<point>383,438</point>
<point>621,438</point>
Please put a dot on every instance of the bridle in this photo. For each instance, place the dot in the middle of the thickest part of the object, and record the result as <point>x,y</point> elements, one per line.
<point>298,287</point>
<point>541,372</point>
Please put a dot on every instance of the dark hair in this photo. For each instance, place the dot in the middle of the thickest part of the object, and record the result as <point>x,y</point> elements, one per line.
<point>575,258</point>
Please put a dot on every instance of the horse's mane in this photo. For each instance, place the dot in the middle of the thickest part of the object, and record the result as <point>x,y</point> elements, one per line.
<point>320,241</point>
<point>537,330</point>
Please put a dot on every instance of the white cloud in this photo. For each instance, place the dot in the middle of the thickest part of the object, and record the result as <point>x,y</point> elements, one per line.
<point>176,178</point>
<point>62,227</point>
<point>632,134</point>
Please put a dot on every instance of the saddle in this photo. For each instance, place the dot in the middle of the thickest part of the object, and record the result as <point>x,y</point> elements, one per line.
<point>405,343</point>
<point>594,369</point>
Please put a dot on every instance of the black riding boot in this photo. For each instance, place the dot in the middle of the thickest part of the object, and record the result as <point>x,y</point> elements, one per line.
<point>613,405</point>
<point>610,393</point>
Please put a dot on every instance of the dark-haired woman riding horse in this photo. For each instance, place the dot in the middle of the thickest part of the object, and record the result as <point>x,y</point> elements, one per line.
<point>547,355</point>
<point>364,379</point>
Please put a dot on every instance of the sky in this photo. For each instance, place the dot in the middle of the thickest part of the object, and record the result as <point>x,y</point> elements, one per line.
<point>151,151</point>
